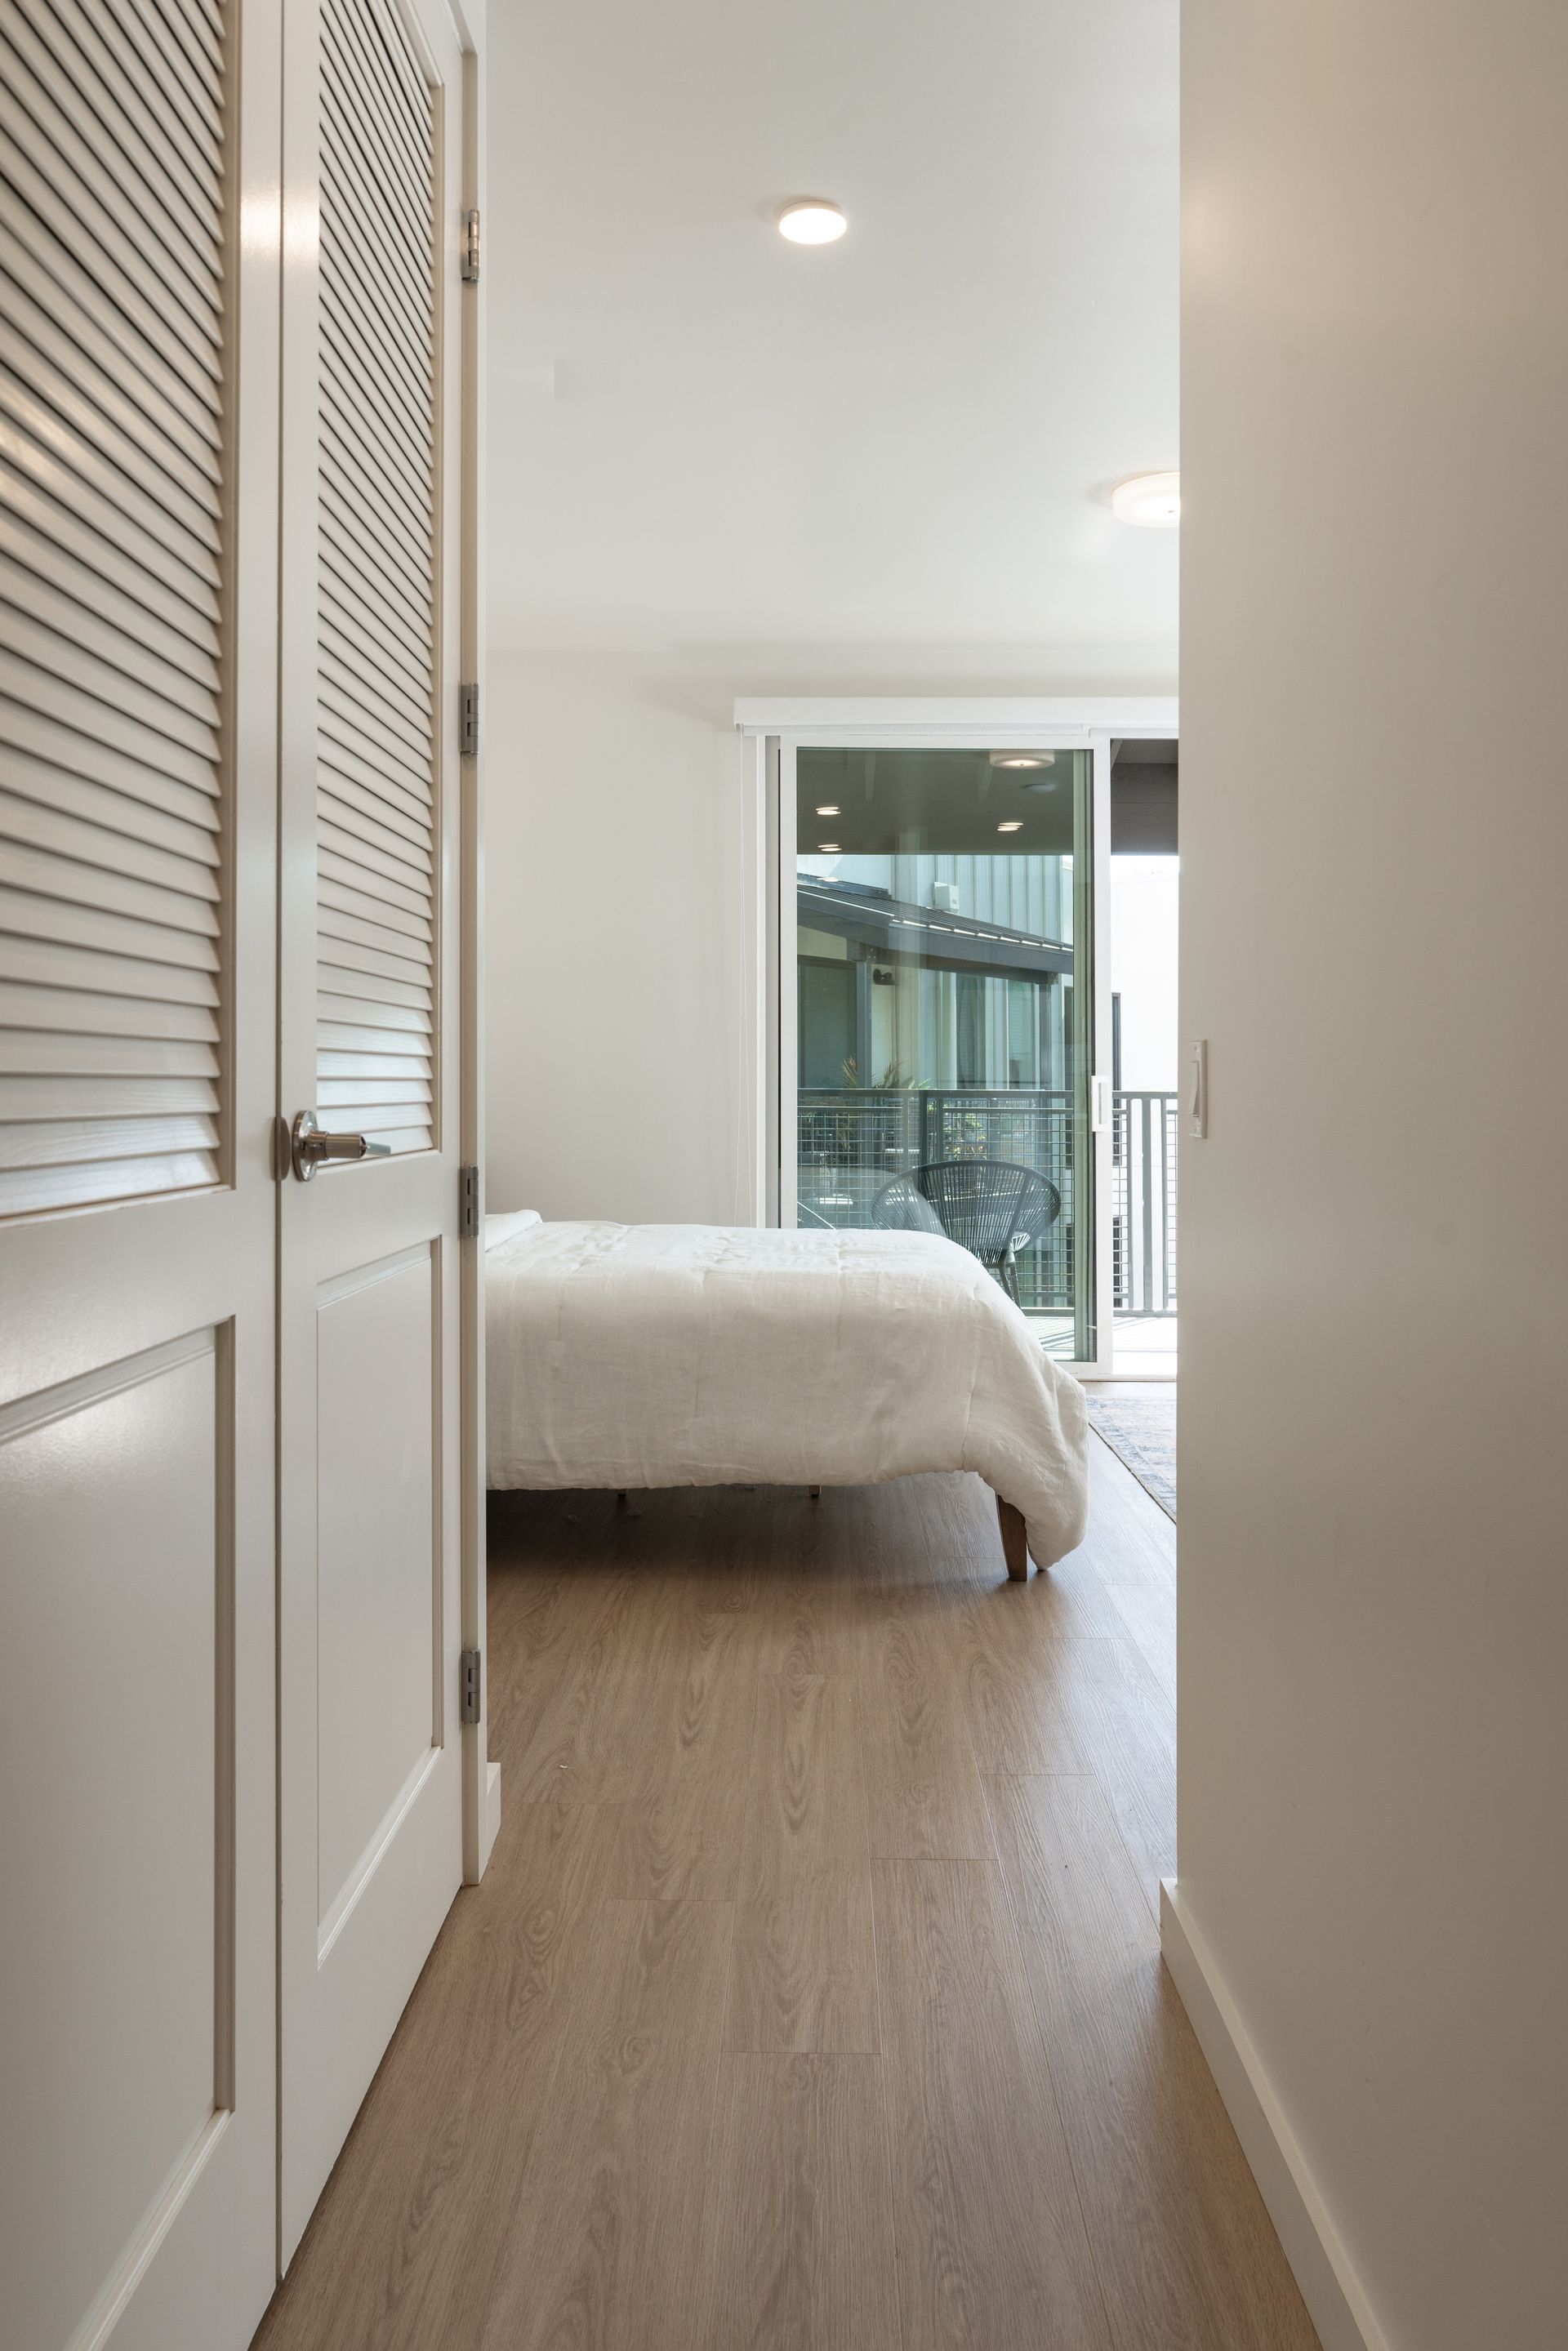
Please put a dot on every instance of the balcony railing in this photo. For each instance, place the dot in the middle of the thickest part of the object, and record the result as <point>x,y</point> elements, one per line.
<point>1144,1202</point>
<point>851,1141</point>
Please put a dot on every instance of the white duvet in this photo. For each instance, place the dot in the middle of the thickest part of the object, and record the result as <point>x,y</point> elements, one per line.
<point>631,1355</point>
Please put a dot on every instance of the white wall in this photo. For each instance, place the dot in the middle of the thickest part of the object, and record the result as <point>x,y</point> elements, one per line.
<point>614,901</point>
<point>612,896</point>
<point>1374,1633</point>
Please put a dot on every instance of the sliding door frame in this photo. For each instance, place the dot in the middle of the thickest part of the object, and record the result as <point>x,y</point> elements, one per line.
<point>772,732</point>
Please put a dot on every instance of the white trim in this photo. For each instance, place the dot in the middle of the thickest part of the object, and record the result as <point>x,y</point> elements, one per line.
<point>786,1042</point>
<point>768,1057</point>
<point>481,1776</point>
<point>346,1899</point>
<point>491,1826</point>
<point>25,1413</point>
<point>1335,2298</point>
<point>339,1286</point>
<point>752,1190</point>
<point>1102,1138</point>
<point>854,720</point>
<point>110,2305</point>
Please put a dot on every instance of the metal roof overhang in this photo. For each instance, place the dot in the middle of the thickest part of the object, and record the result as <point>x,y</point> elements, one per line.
<point>894,929</point>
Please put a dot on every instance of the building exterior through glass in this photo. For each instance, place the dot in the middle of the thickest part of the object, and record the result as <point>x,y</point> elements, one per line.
<point>943,1008</point>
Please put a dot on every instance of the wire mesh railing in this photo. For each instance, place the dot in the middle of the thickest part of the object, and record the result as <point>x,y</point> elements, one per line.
<point>1143,1203</point>
<point>851,1142</point>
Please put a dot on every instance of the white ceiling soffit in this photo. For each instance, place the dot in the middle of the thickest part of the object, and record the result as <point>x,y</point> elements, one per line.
<point>703,435</point>
<point>996,720</point>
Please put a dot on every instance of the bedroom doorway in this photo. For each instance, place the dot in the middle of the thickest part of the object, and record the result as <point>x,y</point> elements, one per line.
<point>931,994</point>
<point>944,1002</point>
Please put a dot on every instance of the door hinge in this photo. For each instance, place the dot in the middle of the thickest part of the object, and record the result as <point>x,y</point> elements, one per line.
<point>471,248</point>
<point>468,721</point>
<point>470,1662</point>
<point>468,1203</point>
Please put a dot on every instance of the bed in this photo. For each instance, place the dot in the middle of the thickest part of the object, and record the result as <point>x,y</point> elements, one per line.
<point>621,1356</point>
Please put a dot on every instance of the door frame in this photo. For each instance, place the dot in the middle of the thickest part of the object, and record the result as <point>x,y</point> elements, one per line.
<point>481,1776</point>
<point>772,729</point>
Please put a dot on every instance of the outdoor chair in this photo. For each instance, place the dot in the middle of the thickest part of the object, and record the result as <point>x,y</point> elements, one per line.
<point>988,1207</point>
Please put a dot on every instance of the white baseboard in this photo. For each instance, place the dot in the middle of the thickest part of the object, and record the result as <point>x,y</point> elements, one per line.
<point>491,1827</point>
<point>1332,2292</point>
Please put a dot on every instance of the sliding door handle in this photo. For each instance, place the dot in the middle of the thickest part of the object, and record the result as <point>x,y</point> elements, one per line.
<point>310,1147</point>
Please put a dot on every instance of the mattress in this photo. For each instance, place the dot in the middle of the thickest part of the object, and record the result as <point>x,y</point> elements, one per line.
<point>637,1355</point>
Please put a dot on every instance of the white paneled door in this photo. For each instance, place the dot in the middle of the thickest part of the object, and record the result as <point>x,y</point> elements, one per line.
<point>371,1781</point>
<point>233,877</point>
<point>139,364</point>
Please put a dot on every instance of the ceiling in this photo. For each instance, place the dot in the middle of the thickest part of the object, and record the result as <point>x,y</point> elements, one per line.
<point>935,803</point>
<point>701,435</point>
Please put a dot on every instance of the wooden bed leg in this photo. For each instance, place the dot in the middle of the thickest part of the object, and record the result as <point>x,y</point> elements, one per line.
<point>815,1492</point>
<point>621,1497</point>
<point>1015,1541</point>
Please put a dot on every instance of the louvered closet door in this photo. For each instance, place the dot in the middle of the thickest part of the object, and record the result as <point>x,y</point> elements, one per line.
<point>372,1782</point>
<point>111,424</point>
<point>376,778</point>
<point>138,427</point>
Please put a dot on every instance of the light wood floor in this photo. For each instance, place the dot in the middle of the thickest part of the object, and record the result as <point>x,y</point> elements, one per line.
<point>812,1999</point>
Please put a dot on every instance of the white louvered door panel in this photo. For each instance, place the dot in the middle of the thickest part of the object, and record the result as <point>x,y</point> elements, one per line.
<point>370,1303</point>
<point>112,528</point>
<point>375,838</point>
<point>139,757</point>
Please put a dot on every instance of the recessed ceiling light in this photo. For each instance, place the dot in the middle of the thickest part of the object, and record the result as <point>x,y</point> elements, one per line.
<point>1013,824</point>
<point>829,811</point>
<point>827,848</point>
<point>1151,500</point>
<point>811,220</point>
<point>1022,758</point>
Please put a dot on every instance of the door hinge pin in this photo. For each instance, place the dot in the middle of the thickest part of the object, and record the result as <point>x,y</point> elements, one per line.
<point>468,721</point>
<point>470,1685</point>
<point>468,1203</point>
<point>471,248</point>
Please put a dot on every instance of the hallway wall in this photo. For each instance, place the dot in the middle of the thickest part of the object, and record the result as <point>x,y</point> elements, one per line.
<point>1374,1736</point>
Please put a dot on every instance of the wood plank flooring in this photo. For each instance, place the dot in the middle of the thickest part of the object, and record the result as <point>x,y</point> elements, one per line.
<point>813,2000</point>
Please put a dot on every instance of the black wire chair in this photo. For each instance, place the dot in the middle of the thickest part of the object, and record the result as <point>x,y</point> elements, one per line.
<point>988,1207</point>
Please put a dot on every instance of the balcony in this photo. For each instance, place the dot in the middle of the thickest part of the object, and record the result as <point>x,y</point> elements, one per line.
<point>849,1143</point>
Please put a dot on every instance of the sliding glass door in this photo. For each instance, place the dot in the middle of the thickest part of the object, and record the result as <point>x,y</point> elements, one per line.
<point>939,1071</point>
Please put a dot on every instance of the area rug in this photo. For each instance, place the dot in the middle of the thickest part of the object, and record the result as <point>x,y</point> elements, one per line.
<point>1140,1431</point>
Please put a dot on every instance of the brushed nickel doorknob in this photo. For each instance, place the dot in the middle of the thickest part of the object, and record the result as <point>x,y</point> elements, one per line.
<point>310,1145</point>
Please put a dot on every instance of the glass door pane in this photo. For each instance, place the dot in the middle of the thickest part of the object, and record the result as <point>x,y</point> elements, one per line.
<point>944,1006</point>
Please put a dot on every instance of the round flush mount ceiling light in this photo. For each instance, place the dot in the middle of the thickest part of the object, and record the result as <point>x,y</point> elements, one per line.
<point>1152,501</point>
<point>1022,758</point>
<point>811,220</point>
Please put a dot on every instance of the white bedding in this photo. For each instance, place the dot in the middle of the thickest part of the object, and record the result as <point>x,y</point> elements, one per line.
<point>631,1355</point>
